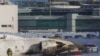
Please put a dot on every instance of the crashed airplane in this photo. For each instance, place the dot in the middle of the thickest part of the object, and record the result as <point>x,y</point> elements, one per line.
<point>30,46</point>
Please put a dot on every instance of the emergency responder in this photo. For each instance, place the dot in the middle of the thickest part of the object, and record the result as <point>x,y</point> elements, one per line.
<point>9,52</point>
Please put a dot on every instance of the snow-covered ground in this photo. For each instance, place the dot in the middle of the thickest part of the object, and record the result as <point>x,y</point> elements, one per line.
<point>76,40</point>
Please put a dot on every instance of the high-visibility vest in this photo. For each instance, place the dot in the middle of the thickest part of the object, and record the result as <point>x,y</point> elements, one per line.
<point>9,52</point>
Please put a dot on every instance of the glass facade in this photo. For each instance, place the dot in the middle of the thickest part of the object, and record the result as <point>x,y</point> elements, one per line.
<point>87,25</point>
<point>53,12</point>
<point>30,3</point>
<point>42,24</point>
<point>44,8</point>
<point>52,23</point>
<point>27,23</point>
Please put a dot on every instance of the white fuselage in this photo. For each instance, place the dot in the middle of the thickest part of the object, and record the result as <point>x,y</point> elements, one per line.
<point>20,45</point>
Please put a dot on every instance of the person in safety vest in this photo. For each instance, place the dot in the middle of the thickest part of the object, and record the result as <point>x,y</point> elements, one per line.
<point>9,52</point>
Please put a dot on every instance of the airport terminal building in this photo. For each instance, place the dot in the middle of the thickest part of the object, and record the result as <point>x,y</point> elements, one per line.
<point>60,16</point>
<point>8,17</point>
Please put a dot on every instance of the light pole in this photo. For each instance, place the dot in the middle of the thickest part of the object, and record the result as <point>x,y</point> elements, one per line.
<point>50,7</point>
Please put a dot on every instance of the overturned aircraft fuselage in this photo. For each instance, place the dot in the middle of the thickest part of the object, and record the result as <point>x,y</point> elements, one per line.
<point>28,46</point>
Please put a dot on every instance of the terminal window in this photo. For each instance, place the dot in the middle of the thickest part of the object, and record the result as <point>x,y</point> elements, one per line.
<point>4,25</point>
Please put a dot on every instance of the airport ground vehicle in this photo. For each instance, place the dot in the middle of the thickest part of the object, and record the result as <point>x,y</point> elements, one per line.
<point>90,48</point>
